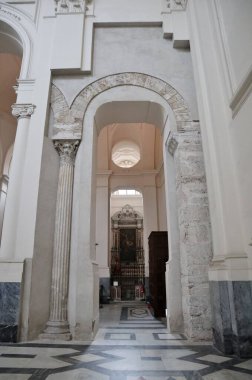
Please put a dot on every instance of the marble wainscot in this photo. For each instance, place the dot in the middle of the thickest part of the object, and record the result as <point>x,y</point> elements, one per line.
<point>232,311</point>
<point>10,293</point>
<point>9,310</point>
<point>105,294</point>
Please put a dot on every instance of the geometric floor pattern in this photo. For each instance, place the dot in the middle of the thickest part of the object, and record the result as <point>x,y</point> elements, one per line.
<point>130,345</point>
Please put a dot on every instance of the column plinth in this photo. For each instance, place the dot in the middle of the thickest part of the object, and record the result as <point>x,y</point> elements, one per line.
<point>57,326</point>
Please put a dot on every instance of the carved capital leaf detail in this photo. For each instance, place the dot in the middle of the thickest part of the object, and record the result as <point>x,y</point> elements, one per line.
<point>22,110</point>
<point>67,150</point>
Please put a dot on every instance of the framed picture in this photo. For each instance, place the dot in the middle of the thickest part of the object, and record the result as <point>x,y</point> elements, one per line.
<point>128,244</point>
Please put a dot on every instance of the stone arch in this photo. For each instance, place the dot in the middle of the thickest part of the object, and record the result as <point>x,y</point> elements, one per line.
<point>69,119</point>
<point>19,23</point>
<point>192,244</point>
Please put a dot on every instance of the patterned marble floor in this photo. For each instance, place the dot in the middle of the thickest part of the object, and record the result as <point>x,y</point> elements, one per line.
<point>130,345</point>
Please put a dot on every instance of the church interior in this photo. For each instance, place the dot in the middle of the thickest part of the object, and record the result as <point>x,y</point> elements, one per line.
<point>125,190</point>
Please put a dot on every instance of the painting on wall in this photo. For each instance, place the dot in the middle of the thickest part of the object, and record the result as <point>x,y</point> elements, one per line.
<point>128,244</point>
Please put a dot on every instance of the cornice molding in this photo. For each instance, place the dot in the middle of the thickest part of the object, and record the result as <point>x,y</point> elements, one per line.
<point>242,93</point>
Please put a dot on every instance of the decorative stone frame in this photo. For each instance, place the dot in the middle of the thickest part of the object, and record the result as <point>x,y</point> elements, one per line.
<point>68,121</point>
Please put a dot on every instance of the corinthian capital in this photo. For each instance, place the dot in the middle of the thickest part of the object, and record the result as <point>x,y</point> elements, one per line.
<point>22,110</point>
<point>67,150</point>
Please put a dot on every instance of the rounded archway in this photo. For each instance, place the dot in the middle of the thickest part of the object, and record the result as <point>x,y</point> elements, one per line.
<point>11,54</point>
<point>85,120</point>
<point>151,121</point>
<point>66,117</point>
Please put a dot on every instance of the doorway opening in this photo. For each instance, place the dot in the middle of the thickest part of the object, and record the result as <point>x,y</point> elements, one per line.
<point>127,253</point>
<point>130,155</point>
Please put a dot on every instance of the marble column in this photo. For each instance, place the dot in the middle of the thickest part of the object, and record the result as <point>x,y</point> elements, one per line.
<point>23,113</point>
<point>57,326</point>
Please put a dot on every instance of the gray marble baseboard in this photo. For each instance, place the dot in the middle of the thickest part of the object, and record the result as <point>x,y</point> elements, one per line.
<point>232,317</point>
<point>147,286</point>
<point>105,282</point>
<point>9,310</point>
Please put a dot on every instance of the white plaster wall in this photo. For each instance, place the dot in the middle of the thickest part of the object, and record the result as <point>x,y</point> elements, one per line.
<point>236,27</point>
<point>241,135</point>
<point>226,137</point>
<point>137,49</point>
<point>8,131</point>
<point>83,279</point>
<point>43,244</point>
<point>161,202</point>
<point>102,225</point>
<point>173,271</point>
<point>130,11</point>
<point>215,117</point>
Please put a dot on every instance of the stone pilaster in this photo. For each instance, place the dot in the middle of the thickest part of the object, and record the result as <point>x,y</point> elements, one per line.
<point>58,327</point>
<point>195,231</point>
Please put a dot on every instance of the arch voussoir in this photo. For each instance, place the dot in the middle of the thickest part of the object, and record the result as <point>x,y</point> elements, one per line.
<point>74,115</point>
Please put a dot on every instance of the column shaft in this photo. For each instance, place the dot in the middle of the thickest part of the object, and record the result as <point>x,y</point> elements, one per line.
<point>58,327</point>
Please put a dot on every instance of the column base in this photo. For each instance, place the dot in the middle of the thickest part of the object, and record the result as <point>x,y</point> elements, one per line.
<point>51,336</point>
<point>56,330</point>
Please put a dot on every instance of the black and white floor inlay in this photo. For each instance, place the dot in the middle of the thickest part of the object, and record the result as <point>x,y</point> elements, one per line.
<point>147,352</point>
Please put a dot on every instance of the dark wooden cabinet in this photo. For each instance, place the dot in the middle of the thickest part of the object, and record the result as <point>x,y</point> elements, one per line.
<point>158,256</point>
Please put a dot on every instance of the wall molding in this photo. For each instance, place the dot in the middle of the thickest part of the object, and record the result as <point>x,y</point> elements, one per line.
<point>242,93</point>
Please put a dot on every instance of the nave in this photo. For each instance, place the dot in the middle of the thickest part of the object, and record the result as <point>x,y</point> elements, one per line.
<point>130,345</point>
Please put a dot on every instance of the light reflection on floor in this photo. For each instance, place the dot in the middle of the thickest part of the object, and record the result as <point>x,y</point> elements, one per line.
<point>130,345</point>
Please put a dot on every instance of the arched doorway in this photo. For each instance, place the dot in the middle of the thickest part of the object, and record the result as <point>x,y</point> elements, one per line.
<point>167,110</point>
<point>140,185</point>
